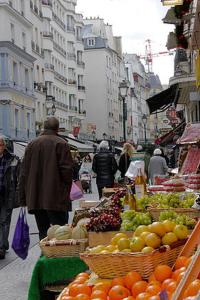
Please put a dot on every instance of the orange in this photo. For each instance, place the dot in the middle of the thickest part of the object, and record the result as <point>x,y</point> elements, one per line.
<point>143,296</point>
<point>99,294</point>
<point>155,297</point>
<point>181,261</point>
<point>139,287</point>
<point>176,273</point>
<point>82,297</point>
<point>180,276</point>
<point>103,286</point>
<point>171,287</point>
<point>129,298</point>
<point>77,289</point>
<point>118,281</point>
<point>80,279</point>
<point>67,298</point>
<point>193,288</point>
<point>118,292</point>
<point>131,278</point>
<point>162,272</point>
<point>152,278</point>
<point>153,289</point>
<point>83,274</point>
<point>166,282</point>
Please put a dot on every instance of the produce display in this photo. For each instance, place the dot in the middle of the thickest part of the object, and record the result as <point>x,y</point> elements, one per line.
<point>132,286</point>
<point>169,200</point>
<point>174,185</point>
<point>132,219</point>
<point>66,232</point>
<point>193,182</point>
<point>146,238</point>
<point>107,218</point>
<point>177,218</point>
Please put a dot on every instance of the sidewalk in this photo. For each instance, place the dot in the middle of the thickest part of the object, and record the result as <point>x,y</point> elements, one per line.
<point>15,274</point>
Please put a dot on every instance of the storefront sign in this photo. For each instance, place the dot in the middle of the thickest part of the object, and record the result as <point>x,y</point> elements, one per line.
<point>172,2</point>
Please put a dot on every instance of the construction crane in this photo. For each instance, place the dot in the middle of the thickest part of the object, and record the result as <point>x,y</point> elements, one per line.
<point>148,56</point>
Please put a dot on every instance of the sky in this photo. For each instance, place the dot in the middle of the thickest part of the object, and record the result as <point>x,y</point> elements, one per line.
<point>136,21</point>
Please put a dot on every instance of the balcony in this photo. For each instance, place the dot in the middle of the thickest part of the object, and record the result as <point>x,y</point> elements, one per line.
<point>14,85</point>
<point>59,49</point>
<point>60,77</point>
<point>49,66</point>
<point>73,108</point>
<point>81,64</point>
<point>82,112</point>
<point>70,28</point>
<point>71,81</point>
<point>61,105</point>
<point>58,21</point>
<point>33,45</point>
<point>47,2</point>
<point>48,34</point>
<point>81,88</point>
<point>71,56</point>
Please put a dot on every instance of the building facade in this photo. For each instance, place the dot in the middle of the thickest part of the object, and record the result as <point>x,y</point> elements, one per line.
<point>104,71</point>
<point>41,69</point>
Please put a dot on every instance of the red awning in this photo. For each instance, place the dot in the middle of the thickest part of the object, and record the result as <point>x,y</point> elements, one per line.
<point>168,137</point>
<point>191,134</point>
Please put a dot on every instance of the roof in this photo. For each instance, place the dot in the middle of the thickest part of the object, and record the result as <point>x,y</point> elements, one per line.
<point>164,99</point>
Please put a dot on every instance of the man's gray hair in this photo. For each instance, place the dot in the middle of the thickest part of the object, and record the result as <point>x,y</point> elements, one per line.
<point>3,139</point>
<point>51,124</point>
<point>104,145</point>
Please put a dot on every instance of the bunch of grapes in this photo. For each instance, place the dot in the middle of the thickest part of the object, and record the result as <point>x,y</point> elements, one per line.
<point>104,222</point>
<point>132,219</point>
<point>178,218</point>
<point>117,199</point>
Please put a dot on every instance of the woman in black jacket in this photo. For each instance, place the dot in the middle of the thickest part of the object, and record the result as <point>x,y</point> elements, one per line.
<point>105,166</point>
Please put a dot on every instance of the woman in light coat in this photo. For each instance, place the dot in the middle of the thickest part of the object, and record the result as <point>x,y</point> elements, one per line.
<point>157,165</point>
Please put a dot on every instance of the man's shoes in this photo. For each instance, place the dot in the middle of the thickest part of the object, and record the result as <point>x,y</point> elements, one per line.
<point>2,254</point>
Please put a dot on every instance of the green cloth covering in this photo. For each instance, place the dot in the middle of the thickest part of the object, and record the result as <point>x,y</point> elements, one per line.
<point>50,270</point>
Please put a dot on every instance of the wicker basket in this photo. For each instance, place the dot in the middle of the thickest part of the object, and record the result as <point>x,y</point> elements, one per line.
<point>190,212</point>
<point>62,248</point>
<point>119,264</point>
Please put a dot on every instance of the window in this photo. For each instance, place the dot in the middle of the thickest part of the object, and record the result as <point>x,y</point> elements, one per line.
<point>80,80</point>
<point>15,71</point>
<point>26,79</point>
<point>12,29</point>
<point>22,7</point>
<point>16,122</point>
<point>28,123</point>
<point>91,42</point>
<point>24,41</point>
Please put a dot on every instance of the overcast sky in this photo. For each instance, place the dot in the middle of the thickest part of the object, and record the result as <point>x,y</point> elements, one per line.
<point>136,21</point>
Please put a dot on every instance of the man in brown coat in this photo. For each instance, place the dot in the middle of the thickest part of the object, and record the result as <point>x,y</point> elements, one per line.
<point>46,178</point>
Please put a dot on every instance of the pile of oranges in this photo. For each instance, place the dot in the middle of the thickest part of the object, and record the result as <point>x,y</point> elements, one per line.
<point>132,286</point>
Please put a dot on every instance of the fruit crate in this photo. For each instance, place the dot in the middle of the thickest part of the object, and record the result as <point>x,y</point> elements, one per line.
<point>190,212</point>
<point>104,238</point>
<point>119,264</point>
<point>62,248</point>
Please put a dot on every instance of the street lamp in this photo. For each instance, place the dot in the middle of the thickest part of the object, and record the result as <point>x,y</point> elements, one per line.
<point>144,120</point>
<point>123,90</point>
<point>53,109</point>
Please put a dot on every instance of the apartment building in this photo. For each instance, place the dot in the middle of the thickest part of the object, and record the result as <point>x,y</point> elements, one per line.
<point>41,70</point>
<point>17,98</point>
<point>104,71</point>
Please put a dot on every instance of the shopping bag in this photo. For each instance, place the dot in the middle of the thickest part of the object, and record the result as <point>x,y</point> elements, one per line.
<point>21,239</point>
<point>75,192</point>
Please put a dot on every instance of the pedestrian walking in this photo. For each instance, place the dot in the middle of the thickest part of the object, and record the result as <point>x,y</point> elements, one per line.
<point>9,169</point>
<point>125,158</point>
<point>157,165</point>
<point>105,167</point>
<point>46,178</point>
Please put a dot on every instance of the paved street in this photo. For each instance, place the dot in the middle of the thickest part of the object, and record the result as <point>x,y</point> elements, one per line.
<point>15,273</point>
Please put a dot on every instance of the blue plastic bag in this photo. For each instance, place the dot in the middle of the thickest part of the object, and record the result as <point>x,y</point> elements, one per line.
<point>21,239</point>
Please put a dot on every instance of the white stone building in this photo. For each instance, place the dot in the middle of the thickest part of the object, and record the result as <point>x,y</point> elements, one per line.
<point>17,98</point>
<point>104,72</point>
<point>136,101</point>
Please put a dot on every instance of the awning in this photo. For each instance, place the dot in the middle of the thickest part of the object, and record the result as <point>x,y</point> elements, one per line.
<point>191,134</point>
<point>78,145</point>
<point>169,136</point>
<point>19,148</point>
<point>164,99</point>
